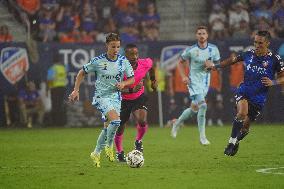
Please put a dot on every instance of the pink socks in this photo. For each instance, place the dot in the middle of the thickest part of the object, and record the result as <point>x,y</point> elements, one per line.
<point>141,130</point>
<point>118,142</point>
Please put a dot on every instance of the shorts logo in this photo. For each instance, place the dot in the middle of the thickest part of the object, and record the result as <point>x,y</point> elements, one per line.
<point>14,63</point>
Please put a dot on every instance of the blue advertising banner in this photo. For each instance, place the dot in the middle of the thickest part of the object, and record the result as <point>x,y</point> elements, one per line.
<point>74,56</point>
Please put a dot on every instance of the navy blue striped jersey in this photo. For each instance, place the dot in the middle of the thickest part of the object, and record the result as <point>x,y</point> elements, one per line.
<point>255,68</point>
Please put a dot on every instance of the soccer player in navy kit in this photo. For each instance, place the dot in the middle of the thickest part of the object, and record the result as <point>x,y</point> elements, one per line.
<point>260,66</point>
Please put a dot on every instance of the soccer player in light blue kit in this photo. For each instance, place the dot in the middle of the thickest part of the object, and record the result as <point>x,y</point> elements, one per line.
<point>198,80</point>
<point>109,69</point>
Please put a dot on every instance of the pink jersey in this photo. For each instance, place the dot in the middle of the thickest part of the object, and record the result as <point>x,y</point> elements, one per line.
<point>144,65</point>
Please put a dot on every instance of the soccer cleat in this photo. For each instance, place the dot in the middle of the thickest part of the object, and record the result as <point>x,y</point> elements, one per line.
<point>138,145</point>
<point>231,149</point>
<point>96,159</point>
<point>210,122</point>
<point>242,135</point>
<point>174,129</point>
<point>120,157</point>
<point>109,153</point>
<point>220,123</point>
<point>204,141</point>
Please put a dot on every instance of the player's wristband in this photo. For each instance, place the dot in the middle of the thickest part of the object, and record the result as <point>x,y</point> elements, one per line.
<point>274,82</point>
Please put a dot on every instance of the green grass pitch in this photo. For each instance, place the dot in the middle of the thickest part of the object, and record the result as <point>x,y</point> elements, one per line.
<point>59,158</point>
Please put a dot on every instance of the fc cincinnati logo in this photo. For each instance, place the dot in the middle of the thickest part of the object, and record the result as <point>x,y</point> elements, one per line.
<point>265,63</point>
<point>14,63</point>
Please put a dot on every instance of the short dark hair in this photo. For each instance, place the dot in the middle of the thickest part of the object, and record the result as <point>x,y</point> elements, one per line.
<point>265,34</point>
<point>130,46</point>
<point>112,37</point>
<point>201,28</point>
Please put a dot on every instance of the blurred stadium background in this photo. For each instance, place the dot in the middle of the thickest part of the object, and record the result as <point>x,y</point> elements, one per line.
<point>33,32</point>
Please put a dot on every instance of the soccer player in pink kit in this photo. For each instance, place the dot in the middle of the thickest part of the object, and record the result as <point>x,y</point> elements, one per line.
<point>134,100</point>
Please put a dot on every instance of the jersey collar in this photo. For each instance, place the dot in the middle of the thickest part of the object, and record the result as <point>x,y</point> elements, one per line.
<point>111,59</point>
<point>200,47</point>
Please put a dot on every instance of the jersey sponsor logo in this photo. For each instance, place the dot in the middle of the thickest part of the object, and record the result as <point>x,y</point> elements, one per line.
<point>14,63</point>
<point>256,69</point>
<point>117,77</point>
<point>265,63</point>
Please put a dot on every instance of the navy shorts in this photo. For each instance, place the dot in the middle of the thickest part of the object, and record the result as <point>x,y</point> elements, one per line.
<point>128,106</point>
<point>254,110</point>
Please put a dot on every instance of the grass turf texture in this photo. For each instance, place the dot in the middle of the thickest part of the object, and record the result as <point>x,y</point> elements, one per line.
<point>59,158</point>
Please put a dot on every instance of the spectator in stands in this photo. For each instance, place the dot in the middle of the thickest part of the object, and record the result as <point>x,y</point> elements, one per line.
<point>50,4</point>
<point>150,23</point>
<point>31,8</point>
<point>263,25</point>
<point>129,34</point>
<point>5,35</point>
<point>217,21</point>
<point>71,36</point>
<point>47,25</point>
<point>129,17</point>
<point>278,19</point>
<point>66,19</point>
<point>30,105</point>
<point>225,4</point>
<point>89,20</point>
<point>243,32</point>
<point>108,26</point>
<point>262,12</point>
<point>122,5</point>
<point>85,37</point>
<point>236,15</point>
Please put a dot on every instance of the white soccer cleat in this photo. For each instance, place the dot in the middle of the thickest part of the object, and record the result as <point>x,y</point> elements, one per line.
<point>174,129</point>
<point>204,141</point>
<point>220,123</point>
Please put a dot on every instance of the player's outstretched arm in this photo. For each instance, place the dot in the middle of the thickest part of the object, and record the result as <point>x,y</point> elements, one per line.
<point>209,65</point>
<point>74,96</point>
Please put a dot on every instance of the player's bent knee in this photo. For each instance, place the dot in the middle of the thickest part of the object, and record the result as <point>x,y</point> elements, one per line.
<point>202,106</point>
<point>241,116</point>
<point>194,107</point>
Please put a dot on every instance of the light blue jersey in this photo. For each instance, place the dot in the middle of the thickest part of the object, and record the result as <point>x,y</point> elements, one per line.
<point>108,73</point>
<point>198,77</point>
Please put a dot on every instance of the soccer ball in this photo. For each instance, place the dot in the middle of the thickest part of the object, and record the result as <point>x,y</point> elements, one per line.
<point>135,159</point>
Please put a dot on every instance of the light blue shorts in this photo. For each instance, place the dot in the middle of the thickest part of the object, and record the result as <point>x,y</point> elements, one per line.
<point>104,105</point>
<point>196,99</point>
